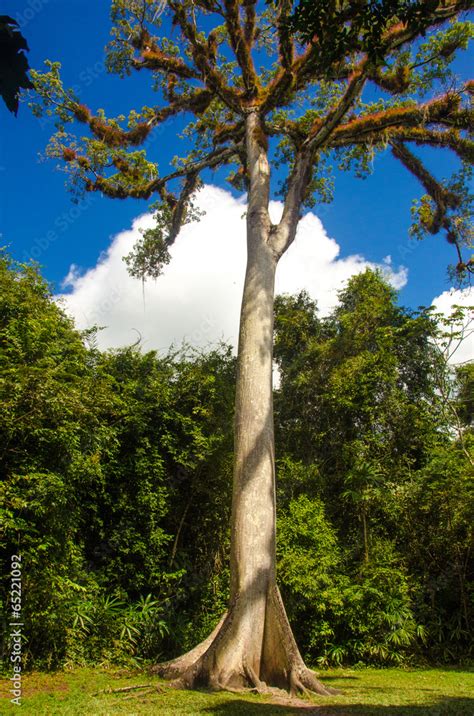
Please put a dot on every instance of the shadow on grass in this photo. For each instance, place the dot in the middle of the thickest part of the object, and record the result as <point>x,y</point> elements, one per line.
<point>238,707</point>
<point>449,706</point>
<point>339,678</point>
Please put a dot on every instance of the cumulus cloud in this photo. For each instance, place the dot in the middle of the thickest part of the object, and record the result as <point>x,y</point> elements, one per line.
<point>460,351</point>
<point>71,277</point>
<point>197,299</point>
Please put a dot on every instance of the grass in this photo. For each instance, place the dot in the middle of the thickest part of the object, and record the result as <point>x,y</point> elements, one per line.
<point>365,692</point>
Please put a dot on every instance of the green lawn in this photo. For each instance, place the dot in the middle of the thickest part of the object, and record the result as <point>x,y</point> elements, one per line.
<point>365,692</point>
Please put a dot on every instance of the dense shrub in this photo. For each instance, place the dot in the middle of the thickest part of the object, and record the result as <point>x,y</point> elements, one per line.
<point>116,484</point>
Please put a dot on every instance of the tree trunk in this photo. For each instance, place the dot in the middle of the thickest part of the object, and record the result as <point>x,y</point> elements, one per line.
<point>366,536</point>
<point>253,645</point>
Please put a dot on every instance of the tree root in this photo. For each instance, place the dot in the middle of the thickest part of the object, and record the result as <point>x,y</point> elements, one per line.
<point>306,681</point>
<point>228,659</point>
<point>175,668</point>
<point>258,685</point>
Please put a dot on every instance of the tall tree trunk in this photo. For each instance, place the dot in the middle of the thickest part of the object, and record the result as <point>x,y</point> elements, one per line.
<point>253,645</point>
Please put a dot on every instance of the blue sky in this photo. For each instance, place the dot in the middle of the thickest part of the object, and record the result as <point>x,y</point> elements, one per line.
<point>369,217</point>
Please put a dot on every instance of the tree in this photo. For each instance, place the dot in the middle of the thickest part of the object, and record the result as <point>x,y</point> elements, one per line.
<point>51,435</point>
<point>357,388</point>
<point>369,401</point>
<point>310,107</point>
<point>115,480</point>
<point>13,63</point>
<point>435,523</point>
<point>453,384</point>
<point>465,400</point>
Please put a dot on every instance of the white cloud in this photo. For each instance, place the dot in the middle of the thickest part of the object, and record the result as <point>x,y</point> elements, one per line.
<point>460,351</point>
<point>71,277</point>
<point>197,298</point>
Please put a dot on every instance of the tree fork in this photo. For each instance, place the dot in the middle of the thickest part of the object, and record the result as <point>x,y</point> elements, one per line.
<point>253,646</point>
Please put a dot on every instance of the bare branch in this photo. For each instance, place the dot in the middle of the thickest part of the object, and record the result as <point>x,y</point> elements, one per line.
<point>297,188</point>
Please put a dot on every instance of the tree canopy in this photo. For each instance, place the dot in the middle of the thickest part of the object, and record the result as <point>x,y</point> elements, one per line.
<point>341,27</point>
<point>319,102</point>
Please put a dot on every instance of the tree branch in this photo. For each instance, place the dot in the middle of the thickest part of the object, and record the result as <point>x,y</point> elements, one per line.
<point>197,103</point>
<point>114,189</point>
<point>113,136</point>
<point>443,199</point>
<point>179,210</point>
<point>449,138</point>
<point>250,21</point>
<point>210,161</point>
<point>400,34</point>
<point>154,59</point>
<point>323,129</point>
<point>445,111</point>
<point>308,66</point>
<point>212,78</point>
<point>240,47</point>
<point>285,39</point>
<point>297,188</point>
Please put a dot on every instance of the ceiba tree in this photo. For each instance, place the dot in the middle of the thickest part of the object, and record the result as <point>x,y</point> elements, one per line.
<point>302,108</point>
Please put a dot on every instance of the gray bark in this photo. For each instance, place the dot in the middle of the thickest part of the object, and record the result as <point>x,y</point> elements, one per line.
<point>253,646</point>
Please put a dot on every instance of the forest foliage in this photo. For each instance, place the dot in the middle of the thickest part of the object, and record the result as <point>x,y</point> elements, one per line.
<point>117,468</point>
